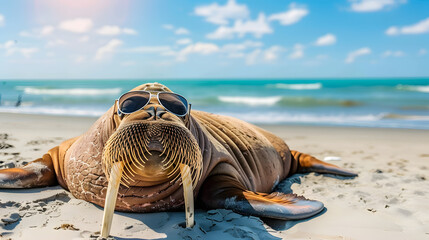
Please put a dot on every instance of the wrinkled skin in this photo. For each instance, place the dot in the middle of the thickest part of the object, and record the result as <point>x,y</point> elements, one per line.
<point>240,164</point>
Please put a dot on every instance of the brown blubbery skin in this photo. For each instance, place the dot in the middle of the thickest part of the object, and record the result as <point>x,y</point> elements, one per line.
<point>256,158</point>
<point>254,161</point>
<point>240,164</point>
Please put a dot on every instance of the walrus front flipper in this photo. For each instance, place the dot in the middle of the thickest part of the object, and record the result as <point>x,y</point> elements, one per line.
<point>225,192</point>
<point>38,173</point>
<point>307,163</point>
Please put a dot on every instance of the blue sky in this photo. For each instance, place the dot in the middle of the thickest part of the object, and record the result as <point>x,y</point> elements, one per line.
<point>50,39</point>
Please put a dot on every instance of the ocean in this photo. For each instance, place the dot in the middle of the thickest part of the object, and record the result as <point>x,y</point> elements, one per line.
<point>391,103</point>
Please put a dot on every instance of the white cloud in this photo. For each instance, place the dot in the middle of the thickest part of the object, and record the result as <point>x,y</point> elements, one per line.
<point>197,48</point>
<point>359,52</point>
<point>235,47</point>
<point>111,30</point>
<point>150,49</point>
<point>168,26</point>
<point>46,30</point>
<point>298,51</point>
<point>222,33</point>
<point>2,20</point>
<point>326,40</point>
<point>77,25</point>
<point>10,48</point>
<point>252,57</point>
<point>56,42</point>
<point>219,14</point>
<point>181,31</point>
<point>373,5</point>
<point>390,53</point>
<point>257,55</point>
<point>27,52</point>
<point>271,53</point>
<point>107,49</point>
<point>7,44</point>
<point>418,28</point>
<point>422,52</point>
<point>177,31</point>
<point>392,31</point>
<point>291,16</point>
<point>201,48</point>
<point>38,32</point>
<point>258,28</point>
<point>129,31</point>
<point>235,50</point>
<point>184,41</point>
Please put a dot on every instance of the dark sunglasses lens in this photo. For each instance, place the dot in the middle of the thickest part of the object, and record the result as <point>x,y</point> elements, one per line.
<point>174,103</point>
<point>133,101</point>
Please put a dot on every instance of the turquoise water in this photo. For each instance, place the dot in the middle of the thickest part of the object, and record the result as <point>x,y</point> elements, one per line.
<point>396,103</point>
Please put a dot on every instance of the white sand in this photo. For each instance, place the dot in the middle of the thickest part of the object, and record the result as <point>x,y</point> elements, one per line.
<point>389,199</point>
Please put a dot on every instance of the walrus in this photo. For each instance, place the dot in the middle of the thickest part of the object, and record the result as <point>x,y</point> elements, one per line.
<point>150,152</point>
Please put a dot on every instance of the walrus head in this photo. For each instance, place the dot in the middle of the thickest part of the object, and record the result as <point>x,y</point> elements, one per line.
<point>152,143</point>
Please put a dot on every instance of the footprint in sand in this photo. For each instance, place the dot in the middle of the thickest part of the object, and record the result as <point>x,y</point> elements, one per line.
<point>4,136</point>
<point>4,145</point>
<point>41,142</point>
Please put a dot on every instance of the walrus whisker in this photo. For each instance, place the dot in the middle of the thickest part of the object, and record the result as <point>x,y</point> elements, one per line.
<point>131,145</point>
<point>141,153</point>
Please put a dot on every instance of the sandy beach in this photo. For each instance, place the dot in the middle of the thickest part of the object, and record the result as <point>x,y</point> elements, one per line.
<point>389,199</point>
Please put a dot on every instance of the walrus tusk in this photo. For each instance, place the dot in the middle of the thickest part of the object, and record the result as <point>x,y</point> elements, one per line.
<point>185,171</point>
<point>111,195</point>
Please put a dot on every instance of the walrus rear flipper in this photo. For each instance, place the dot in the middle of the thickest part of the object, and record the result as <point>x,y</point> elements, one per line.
<point>307,163</point>
<point>38,173</point>
<point>226,192</point>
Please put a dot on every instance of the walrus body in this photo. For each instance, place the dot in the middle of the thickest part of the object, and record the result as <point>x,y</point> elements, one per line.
<point>236,164</point>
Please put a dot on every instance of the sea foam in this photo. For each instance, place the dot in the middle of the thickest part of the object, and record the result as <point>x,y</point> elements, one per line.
<point>252,101</point>
<point>71,91</point>
<point>417,88</point>
<point>53,111</point>
<point>307,86</point>
<point>279,117</point>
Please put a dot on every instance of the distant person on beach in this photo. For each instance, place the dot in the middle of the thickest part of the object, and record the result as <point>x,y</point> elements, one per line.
<point>18,103</point>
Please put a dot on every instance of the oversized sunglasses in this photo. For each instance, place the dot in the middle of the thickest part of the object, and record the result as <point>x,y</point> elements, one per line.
<point>136,100</point>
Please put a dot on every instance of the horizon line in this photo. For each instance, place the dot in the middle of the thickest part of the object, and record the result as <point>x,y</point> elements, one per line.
<point>205,79</point>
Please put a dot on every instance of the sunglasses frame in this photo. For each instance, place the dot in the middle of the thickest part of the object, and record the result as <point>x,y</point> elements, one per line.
<point>120,113</point>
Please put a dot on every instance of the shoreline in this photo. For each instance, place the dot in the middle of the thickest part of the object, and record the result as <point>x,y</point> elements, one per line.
<point>263,125</point>
<point>386,200</point>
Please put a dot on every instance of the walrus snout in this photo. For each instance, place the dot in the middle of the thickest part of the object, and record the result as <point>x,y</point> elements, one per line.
<point>152,152</point>
<point>155,145</point>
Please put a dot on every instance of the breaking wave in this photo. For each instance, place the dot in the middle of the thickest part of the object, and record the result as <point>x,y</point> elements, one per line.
<point>306,86</point>
<point>252,101</point>
<point>287,101</point>
<point>54,111</point>
<point>70,92</point>
<point>417,88</point>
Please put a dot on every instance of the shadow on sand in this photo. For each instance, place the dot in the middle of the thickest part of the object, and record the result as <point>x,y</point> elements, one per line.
<point>285,186</point>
